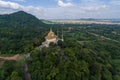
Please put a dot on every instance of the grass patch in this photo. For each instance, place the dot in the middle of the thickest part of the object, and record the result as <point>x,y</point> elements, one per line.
<point>6,55</point>
<point>116,62</point>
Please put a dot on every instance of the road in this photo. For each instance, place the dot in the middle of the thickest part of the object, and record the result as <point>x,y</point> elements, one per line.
<point>27,75</point>
<point>103,37</point>
<point>15,57</point>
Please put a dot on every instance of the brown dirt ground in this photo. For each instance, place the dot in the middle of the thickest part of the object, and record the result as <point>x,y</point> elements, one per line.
<point>15,57</point>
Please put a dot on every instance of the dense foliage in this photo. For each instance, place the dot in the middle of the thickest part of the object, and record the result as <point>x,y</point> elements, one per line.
<point>11,70</point>
<point>89,51</point>
<point>89,58</point>
<point>20,40</point>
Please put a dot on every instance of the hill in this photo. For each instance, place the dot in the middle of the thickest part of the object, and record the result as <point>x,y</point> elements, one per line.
<point>20,19</point>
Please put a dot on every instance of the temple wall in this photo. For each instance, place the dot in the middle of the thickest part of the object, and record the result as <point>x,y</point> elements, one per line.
<point>51,40</point>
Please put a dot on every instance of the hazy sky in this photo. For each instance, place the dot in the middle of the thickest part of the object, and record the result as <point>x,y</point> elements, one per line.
<point>64,9</point>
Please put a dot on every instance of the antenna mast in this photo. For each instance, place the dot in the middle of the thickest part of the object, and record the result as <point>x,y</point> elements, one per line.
<point>57,32</point>
<point>62,33</point>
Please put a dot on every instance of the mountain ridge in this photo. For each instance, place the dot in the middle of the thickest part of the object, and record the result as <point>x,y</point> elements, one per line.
<point>20,19</point>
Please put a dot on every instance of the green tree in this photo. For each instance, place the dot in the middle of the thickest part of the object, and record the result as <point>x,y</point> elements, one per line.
<point>14,76</point>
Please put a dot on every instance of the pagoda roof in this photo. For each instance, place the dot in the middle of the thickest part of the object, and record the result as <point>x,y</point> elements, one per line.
<point>50,35</point>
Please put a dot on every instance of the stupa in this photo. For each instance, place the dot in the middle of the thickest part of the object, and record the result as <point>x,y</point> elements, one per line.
<point>51,37</point>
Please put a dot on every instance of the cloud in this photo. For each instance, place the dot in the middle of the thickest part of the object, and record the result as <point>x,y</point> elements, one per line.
<point>94,8</point>
<point>52,13</point>
<point>8,4</point>
<point>115,2</point>
<point>7,7</point>
<point>20,0</point>
<point>62,4</point>
<point>16,6</point>
<point>75,12</point>
<point>66,10</point>
<point>69,0</point>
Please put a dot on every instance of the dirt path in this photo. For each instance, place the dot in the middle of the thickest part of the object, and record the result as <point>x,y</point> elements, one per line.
<point>26,73</point>
<point>1,63</point>
<point>15,57</point>
<point>103,37</point>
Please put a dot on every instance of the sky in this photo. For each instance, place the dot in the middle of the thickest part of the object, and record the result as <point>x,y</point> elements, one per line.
<point>64,9</point>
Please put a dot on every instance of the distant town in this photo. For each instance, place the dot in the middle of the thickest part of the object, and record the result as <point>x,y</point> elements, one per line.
<point>87,21</point>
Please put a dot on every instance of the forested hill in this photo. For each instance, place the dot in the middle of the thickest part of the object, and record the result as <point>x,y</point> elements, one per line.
<point>20,19</point>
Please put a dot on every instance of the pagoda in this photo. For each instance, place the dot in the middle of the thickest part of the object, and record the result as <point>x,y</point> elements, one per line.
<point>51,37</point>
